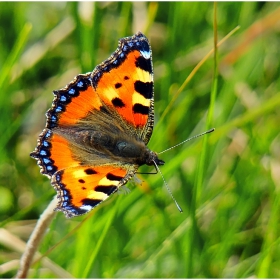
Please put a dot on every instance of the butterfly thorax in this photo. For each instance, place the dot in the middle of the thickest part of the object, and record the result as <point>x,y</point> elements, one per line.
<point>136,152</point>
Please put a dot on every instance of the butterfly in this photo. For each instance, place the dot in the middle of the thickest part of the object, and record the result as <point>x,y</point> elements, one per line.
<point>98,128</point>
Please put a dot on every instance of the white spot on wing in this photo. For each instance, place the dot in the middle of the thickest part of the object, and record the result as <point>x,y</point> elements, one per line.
<point>86,207</point>
<point>146,54</point>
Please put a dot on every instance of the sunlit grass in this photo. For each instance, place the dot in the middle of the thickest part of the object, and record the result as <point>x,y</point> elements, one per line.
<point>230,224</point>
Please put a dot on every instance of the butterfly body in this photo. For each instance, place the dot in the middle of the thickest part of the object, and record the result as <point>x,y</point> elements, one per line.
<point>98,129</point>
<point>107,144</point>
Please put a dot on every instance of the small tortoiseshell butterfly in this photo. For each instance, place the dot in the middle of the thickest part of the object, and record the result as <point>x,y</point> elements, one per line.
<point>98,128</point>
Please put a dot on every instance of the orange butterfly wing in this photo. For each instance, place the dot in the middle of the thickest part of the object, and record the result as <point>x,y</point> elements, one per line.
<point>82,189</point>
<point>115,99</point>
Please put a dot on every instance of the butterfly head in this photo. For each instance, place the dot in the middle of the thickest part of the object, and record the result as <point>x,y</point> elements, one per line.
<point>153,159</point>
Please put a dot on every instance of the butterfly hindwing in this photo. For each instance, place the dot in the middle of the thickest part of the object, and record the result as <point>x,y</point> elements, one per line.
<point>82,188</point>
<point>52,153</point>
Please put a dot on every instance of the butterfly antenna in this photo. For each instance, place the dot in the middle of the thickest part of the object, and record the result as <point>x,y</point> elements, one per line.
<point>178,206</point>
<point>196,136</point>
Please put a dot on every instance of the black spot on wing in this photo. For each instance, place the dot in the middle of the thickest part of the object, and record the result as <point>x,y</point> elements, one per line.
<point>140,109</point>
<point>106,189</point>
<point>118,85</point>
<point>144,64</point>
<point>90,171</point>
<point>81,181</point>
<point>91,202</point>
<point>113,177</point>
<point>117,102</point>
<point>145,89</point>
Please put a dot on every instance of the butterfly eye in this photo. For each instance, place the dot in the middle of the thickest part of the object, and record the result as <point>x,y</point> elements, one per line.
<point>121,146</point>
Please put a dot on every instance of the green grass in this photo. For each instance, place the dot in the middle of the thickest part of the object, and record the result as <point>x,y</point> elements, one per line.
<point>227,183</point>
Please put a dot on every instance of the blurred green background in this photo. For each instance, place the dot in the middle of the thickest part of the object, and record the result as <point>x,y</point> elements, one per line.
<point>230,196</point>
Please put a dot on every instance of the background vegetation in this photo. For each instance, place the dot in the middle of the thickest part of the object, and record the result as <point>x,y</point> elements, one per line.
<point>230,197</point>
